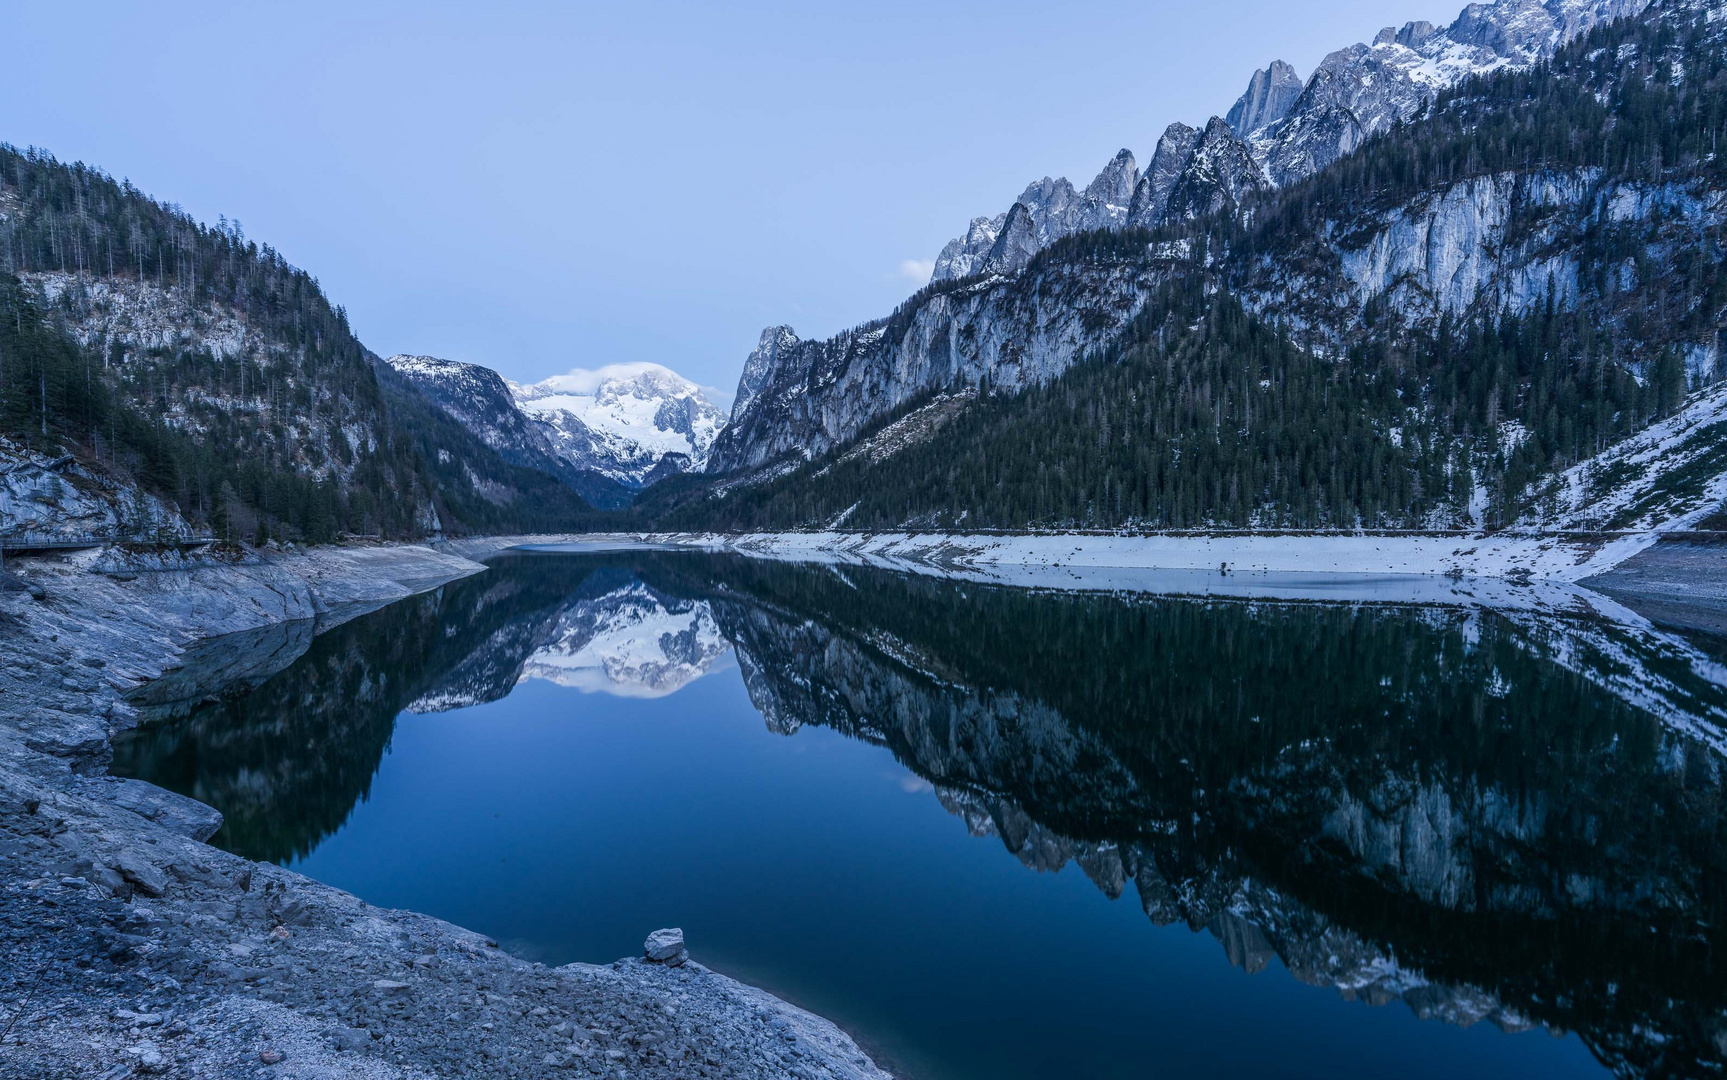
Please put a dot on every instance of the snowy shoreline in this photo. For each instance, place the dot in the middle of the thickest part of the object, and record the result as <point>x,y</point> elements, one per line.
<point>1533,556</point>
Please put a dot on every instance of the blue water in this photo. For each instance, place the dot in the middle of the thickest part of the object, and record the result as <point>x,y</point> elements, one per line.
<point>568,825</point>
<point>1482,806</point>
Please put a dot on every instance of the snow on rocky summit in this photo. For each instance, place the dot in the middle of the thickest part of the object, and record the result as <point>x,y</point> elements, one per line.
<point>625,420</point>
<point>631,423</point>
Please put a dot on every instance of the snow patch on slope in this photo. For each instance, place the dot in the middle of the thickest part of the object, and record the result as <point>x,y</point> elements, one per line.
<point>1667,477</point>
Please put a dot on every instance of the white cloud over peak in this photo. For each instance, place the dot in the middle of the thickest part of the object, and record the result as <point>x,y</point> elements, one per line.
<point>918,270</point>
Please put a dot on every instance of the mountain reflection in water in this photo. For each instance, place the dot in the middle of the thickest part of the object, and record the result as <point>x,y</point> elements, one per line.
<point>1491,816</point>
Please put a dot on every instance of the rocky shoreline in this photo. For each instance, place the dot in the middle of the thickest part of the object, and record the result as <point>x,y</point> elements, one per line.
<point>134,948</point>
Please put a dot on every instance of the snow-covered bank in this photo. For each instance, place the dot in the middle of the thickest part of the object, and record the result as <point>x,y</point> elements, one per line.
<point>1532,556</point>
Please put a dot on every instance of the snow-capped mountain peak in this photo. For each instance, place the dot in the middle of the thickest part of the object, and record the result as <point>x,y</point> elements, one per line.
<point>624,420</point>
<point>624,424</point>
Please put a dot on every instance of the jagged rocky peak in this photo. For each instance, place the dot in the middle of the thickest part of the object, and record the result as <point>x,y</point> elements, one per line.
<point>623,420</point>
<point>1174,150</point>
<point>1412,36</point>
<point>963,256</point>
<point>1111,192</point>
<point>1270,93</point>
<point>1220,173</point>
<point>1361,90</point>
<point>1049,209</point>
<point>1293,129</point>
<point>1017,242</point>
<point>759,367</point>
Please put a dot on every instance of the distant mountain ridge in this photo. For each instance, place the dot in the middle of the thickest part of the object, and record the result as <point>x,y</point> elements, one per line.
<point>1281,130</point>
<point>604,432</point>
<point>633,423</point>
<point>974,322</point>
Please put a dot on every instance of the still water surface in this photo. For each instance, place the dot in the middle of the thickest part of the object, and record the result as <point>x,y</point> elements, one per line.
<point>1004,833</point>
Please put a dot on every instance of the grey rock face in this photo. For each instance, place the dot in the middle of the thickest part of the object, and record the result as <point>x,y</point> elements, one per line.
<point>1016,244</point>
<point>819,394</point>
<point>171,810</point>
<point>1107,198</point>
<point>1174,150</point>
<point>1269,95</point>
<point>55,500</point>
<point>963,257</point>
<point>1219,175</point>
<point>479,399</point>
<point>775,340</point>
<point>1051,210</point>
<point>663,944</point>
<point>1015,330</point>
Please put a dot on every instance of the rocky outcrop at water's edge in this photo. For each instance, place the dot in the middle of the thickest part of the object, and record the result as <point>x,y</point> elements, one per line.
<point>133,948</point>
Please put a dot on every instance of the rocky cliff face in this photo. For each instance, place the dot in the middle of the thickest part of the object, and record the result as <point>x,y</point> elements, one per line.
<point>1506,241</point>
<point>1012,330</point>
<point>1218,176</point>
<point>55,501</point>
<point>479,399</point>
<point>1270,93</point>
<point>1045,212</point>
<point>1152,195</point>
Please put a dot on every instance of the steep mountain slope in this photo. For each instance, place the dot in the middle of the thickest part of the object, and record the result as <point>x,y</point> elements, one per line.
<point>1498,288</point>
<point>1270,94</point>
<point>480,400</point>
<point>210,370</point>
<point>631,423</point>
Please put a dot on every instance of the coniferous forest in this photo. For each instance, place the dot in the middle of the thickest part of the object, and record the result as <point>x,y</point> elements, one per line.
<point>294,431</point>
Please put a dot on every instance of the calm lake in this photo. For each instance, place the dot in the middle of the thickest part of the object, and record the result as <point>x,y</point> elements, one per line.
<point>998,832</point>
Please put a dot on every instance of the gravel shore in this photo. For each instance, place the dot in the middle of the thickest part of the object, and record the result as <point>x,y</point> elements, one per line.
<point>134,948</point>
<point>1679,583</point>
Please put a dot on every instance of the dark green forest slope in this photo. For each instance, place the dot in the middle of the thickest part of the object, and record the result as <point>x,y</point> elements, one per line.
<point>207,368</point>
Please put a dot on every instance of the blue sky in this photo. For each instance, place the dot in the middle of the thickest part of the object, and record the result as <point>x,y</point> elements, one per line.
<point>541,186</point>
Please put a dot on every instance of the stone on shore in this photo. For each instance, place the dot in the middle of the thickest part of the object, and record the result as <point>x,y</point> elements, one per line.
<point>663,946</point>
